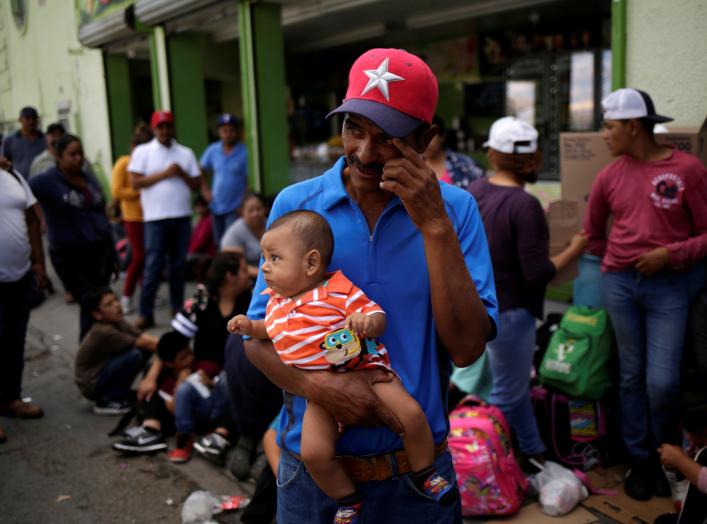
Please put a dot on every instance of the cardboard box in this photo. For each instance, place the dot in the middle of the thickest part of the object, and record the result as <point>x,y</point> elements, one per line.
<point>583,155</point>
<point>563,221</point>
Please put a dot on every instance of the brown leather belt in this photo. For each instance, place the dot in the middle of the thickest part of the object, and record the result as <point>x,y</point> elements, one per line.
<point>381,467</point>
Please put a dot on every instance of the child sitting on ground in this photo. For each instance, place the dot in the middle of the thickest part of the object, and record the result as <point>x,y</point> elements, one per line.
<point>694,506</point>
<point>111,355</point>
<point>173,366</point>
<point>319,320</point>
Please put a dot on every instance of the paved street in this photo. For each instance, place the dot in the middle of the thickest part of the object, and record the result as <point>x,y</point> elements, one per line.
<point>61,468</point>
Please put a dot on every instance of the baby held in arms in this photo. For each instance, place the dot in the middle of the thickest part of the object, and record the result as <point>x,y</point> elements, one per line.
<point>321,321</point>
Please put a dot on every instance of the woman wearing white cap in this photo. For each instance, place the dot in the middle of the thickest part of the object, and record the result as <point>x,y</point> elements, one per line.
<point>519,243</point>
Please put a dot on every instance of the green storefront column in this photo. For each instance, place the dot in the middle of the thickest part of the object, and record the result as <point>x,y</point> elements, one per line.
<point>187,90</point>
<point>120,104</point>
<point>264,95</point>
<point>618,44</point>
<point>159,69</point>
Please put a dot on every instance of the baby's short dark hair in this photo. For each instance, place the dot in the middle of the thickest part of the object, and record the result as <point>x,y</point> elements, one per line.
<point>311,229</point>
<point>92,299</point>
<point>170,344</point>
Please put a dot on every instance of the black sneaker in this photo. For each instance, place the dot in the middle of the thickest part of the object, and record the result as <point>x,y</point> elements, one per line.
<point>113,407</point>
<point>141,439</point>
<point>640,480</point>
<point>213,447</point>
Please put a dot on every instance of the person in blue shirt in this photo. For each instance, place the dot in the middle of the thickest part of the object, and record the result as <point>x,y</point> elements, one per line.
<point>22,147</point>
<point>227,160</point>
<point>418,249</point>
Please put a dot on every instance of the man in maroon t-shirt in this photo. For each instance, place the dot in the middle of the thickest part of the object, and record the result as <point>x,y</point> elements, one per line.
<point>657,197</point>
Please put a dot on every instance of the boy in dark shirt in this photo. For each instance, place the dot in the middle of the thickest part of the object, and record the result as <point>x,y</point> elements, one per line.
<point>156,391</point>
<point>111,354</point>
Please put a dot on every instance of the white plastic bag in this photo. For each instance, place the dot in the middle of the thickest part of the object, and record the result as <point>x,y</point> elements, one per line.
<point>559,489</point>
<point>199,507</point>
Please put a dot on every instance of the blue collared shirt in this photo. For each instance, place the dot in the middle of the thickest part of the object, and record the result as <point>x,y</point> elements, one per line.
<point>389,265</point>
<point>21,151</point>
<point>230,176</point>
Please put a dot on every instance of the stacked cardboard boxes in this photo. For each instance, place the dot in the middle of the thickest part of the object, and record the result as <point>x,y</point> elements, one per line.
<point>582,156</point>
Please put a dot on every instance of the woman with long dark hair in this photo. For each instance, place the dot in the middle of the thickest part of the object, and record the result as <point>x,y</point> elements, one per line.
<point>80,242</point>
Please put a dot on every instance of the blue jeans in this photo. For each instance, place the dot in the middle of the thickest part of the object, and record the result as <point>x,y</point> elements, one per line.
<point>511,358</point>
<point>219,225</point>
<point>165,240</point>
<point>192,410</point>
<point>649,316</point>
<point>115,379</point>
<point>300,501</point>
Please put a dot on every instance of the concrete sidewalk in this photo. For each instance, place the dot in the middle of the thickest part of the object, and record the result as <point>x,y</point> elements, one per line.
<point>61,468</point>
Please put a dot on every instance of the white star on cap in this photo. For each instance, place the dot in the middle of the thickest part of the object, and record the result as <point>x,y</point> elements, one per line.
<point>379,78</point>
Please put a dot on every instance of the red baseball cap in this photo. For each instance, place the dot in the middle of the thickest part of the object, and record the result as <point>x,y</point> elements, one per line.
<point>161,117</point>
<point>394,89</point>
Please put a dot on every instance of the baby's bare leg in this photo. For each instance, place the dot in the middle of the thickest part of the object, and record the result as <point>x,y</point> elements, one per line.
<point>320,432</point>
<point>419,446</point>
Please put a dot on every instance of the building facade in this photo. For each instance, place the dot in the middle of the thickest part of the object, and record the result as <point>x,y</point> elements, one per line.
<point>103,65</point>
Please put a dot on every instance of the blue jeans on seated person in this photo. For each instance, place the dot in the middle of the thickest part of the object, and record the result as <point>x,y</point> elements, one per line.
<point>393,501</point>
<point>114,382</point>
<point>192,410</point>
<point>649,317</point>
<point>165,240</point>
<point>511,358</point>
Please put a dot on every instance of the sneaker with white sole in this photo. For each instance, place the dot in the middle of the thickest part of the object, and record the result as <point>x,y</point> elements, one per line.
<point>213,447</point>
<point>112,407</point>
<point>141,440</point>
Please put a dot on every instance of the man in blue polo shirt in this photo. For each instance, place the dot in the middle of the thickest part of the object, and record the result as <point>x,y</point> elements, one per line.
<point>21,148</point>
<point>227,160</point>
<point>416,248</point>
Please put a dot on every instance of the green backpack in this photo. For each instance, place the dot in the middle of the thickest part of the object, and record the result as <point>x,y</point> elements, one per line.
<point>577,357</point>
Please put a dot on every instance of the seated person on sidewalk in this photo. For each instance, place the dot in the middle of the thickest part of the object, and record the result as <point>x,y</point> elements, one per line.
<point>155,394</point>
<point>202,248</point>
<point>200,401</point>
<point>204,318</point>
<point>111,355</point>
<point>315,320</point>
<point>694,505</point>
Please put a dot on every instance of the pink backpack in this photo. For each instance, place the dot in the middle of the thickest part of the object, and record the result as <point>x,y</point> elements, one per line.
<point>490,481</point>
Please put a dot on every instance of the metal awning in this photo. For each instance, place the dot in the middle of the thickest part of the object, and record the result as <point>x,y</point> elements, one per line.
<point>111,28</point>
<point>153,12</point>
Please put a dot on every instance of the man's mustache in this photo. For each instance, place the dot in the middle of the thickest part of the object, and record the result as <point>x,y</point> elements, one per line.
<point>354,161</point>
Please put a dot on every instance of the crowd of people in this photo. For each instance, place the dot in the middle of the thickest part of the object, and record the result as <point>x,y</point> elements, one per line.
<point>405,262</point>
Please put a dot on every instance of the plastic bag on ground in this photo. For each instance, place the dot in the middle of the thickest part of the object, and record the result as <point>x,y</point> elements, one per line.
<point>199,508</point>
<point>559,489</point>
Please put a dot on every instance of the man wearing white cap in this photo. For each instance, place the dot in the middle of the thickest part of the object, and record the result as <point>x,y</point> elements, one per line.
<point>519,242</point>
<point>657,197</point>
<point>416,248</point>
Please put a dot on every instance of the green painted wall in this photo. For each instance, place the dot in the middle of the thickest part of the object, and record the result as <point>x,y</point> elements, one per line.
<point>120,104</point>
<point>264,96</point>
<point>187,90</point>
<point>272,96</point>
